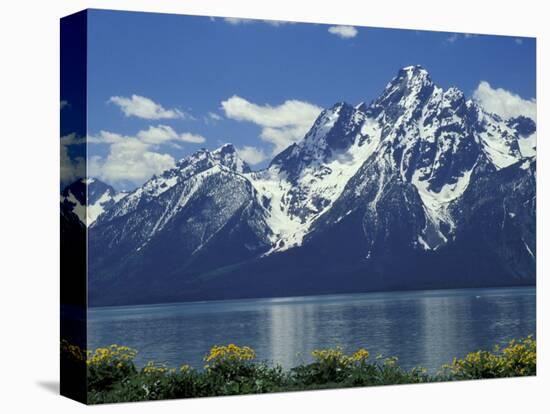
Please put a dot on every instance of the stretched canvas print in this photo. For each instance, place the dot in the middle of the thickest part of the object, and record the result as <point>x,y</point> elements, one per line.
<point>252,206</point>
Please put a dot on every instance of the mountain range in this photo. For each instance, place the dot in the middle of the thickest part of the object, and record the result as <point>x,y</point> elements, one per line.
<point>420,189</point>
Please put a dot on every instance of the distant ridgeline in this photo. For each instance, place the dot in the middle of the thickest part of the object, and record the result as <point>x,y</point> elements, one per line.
<point>419,189</point>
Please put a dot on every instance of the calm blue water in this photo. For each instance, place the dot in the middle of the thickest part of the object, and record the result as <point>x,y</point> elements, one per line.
<point>426,328</point>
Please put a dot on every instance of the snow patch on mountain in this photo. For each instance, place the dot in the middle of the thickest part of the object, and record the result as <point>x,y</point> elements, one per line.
<point>528,145</point>
<point>293,203</point>
<point>96,209</point>
<point>190,186</point>
<point>500,141</point>
<point>78,207</point>
<point>88,198</point>
<point>436,204</point>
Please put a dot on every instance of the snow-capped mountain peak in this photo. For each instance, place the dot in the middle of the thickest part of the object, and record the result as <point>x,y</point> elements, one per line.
<point>203,161</point>
<point>334,131</point>
<point>88,198</point>
<point>421,173</point>
<point>227,155</point>
<point>411,87</point>
<point>311,174</point>
<point>418,132</point>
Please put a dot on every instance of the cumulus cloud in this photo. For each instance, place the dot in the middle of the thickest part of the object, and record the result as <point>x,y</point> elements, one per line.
<point>130,159</point>
<point>72,167</point>
<point>134,159</point>
<point>142,107</point>
<point>157,134</point>
<point>504,103</point>
<point>345,32</point>
<point>281,125</point>
<point>72,139</point>
<point>192,138</point>
<point>162,133</point>
<point>252,155</point>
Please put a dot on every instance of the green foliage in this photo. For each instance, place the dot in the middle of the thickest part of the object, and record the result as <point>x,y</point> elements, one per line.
<point>145,386</point>
<point>332,368</point>
<point>109,366</point>
<point>517,359</point>
<point>329,366</point>
<point>232,370</point>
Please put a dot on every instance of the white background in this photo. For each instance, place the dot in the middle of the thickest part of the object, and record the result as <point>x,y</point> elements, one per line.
<point>29,246</point>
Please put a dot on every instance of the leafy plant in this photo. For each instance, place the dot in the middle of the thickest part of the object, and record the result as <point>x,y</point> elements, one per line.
<point>229,370</point>
<point>518,358</point>
<point>232,369</point>
<point>107,366</point>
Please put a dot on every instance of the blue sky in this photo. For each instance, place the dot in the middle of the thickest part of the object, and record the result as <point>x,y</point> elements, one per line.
<point>181,80</point>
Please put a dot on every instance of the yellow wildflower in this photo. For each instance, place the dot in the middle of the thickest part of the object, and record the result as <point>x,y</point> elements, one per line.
<point>231,353</point>
<point>152,368</point>
<point>361,355</point>
<point>113,354</point>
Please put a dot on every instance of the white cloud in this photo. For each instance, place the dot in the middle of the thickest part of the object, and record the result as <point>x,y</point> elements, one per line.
<point>345,32</point>
<point>291,112</point>
<point>142,107</point>
<point>72,139</point>
<point>281,125</point>
<point>238,20</point>
<point>457,36</point>
<point>134,159</point>
<point>162,133</point>
<point>72,167</point>
<point>211,118</point>
<point>192,138</point>
<point>157,134</point>
<point>504,103</point>
<point>452,38</point>
<point>277,23</point>
<point>214,116</point>
<point>284,136</point>
<point>130,159</point>
<point>252,155</point>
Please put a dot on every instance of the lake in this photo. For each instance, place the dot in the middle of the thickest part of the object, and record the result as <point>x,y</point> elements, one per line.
<point>426,328</point>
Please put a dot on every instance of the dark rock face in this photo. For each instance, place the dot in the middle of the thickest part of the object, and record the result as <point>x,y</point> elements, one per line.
<point>523,125</point>
<point>78,189</point>
<point>89,196</point>
<point>419,189</point>
<point>334,131</point>
<point>497,218</point>
<point>73,256</point>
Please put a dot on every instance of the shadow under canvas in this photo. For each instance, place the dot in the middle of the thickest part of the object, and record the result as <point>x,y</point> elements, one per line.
<point>50,386</point>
